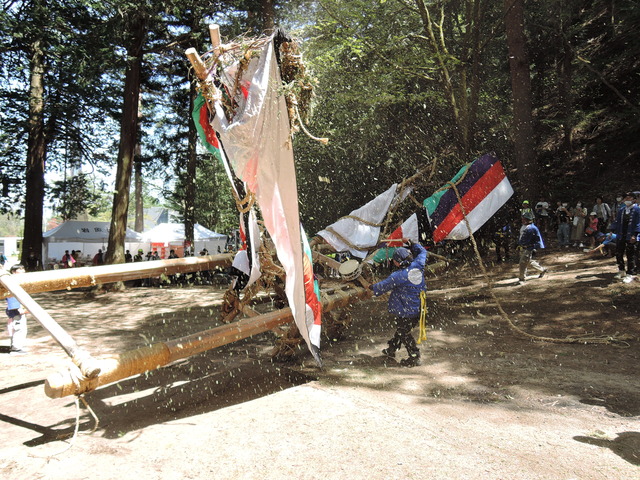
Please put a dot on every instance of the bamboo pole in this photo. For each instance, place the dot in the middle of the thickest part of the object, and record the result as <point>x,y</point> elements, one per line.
<point>124,365</point>
<point>69,278</point>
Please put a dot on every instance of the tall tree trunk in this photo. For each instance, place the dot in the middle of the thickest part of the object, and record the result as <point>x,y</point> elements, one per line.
<point>36,156</point>
<point>128,141</point>
<point>190,181</point>
<point>524,145</point>
<point>268,15</point>
<point>139,222</point>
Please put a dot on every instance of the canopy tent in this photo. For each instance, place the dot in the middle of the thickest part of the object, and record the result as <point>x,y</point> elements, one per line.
<point>172,235</point>
<point>87,237</point>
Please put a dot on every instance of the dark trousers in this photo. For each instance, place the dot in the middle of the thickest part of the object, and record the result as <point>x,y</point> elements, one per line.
<point>629,249</point>
<point>502,243</point>
<point>403,336</point>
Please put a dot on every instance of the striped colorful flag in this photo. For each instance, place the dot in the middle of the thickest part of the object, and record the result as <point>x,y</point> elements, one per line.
<point>312,299</point>
<point>206,132</point>
<point>483,187</point>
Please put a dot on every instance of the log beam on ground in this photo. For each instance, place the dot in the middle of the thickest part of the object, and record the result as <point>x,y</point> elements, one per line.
<point>136,362</point>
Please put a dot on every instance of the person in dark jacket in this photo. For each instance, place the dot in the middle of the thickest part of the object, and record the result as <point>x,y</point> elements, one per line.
<point>406,285</point>
<point>530,240</point>
<point>626,226</point>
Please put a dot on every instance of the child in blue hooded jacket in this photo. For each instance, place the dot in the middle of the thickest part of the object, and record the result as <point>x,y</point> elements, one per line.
<point>405,284</point>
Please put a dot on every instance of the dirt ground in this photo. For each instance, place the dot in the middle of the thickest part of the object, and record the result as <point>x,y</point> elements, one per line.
<point>487,403</point>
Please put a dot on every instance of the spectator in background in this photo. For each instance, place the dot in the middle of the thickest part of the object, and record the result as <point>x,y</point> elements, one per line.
<point>98,258</point>
<point>127,257</point>
<point>526,209</point>
<point>67,260</point>
<point>563,217</point>
<point>591,229</point>
<point>579,215</point>
<point>34,264</point>
<point>542,215</point>
<point>627,229</point>
<point>16,319</point>
<point>603,213</point>
<point>617,205</point>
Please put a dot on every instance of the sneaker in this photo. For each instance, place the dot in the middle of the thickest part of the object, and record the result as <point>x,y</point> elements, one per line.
<point>620,275</point>
<point>413,361</point>
<point>18,352</point>
<point>520,282</point>
<point>628,279</point>
<point>387,352</point>
<point>542,273</point>
<point>581,245</point>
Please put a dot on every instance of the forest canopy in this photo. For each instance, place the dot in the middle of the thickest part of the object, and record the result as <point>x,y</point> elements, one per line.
<point>95,90</point>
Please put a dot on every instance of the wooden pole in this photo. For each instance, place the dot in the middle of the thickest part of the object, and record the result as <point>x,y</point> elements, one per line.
<point>214,33</point>
<point>68,278</point>
<point>196,62</point>
<point>124,365</point>
<point>83,360</point>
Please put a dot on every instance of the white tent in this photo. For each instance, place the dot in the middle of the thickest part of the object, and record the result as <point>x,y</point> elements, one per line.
<point>172,234</point>
<point>87,237</point>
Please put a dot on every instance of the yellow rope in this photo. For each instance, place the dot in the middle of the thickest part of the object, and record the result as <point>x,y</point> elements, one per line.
<point>422,336</point>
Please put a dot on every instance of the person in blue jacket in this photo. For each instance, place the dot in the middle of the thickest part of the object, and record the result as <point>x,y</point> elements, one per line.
<point>405,283</point>
<point>530,240</point>
<point>626,226</point>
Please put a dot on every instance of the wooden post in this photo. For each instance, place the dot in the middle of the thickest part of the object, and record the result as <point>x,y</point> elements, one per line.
<point>214,33</point>
<point>144,359</point>
<point>196,62</point>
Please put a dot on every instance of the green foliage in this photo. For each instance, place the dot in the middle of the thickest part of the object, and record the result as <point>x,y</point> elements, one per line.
<point>75,196</point>
<point>214,205</point>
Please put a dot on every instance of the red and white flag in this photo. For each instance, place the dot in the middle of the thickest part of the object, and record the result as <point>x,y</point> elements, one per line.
<point>409,229</point>
<point>258,146</point>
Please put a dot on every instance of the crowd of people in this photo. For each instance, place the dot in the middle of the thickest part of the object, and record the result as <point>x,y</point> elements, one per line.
<point>610,229</point>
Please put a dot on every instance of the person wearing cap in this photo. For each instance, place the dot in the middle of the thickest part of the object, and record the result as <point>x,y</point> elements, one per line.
<point>627,229</point>
<point>405,284</point>
<point>526,209</point>
<point>530,240</point>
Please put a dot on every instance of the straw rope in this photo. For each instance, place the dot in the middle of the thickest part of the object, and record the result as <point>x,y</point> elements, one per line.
<point>584,339</point>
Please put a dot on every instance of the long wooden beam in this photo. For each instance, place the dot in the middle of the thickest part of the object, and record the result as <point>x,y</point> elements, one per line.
<point>125,365</point>
<point>69,278</point>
